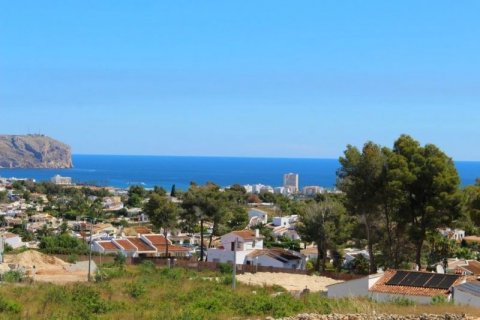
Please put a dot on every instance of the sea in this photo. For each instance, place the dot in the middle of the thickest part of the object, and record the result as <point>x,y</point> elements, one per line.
<point>165,171</point>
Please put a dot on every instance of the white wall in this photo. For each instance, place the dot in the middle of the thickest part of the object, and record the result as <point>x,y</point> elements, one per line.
<point>465,298</point>
<point>281,221</point>
<point>221,255</point>
<point>15,242</point>
<point>352,288</point>
<point>267,261</point>
<point>386,297</point>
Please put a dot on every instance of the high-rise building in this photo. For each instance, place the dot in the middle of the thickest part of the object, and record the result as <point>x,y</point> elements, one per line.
<point>290,180</point>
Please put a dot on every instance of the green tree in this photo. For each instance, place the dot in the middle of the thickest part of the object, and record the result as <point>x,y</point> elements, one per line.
<point>430,182</point>
<point>324,224</point>
<point>163,214</point>
<point>360,178</point>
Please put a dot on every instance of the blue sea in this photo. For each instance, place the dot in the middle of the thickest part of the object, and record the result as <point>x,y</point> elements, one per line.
<point>124,171</point>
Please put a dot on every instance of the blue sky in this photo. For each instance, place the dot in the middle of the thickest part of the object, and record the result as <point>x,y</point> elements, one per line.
<point>241,78</point>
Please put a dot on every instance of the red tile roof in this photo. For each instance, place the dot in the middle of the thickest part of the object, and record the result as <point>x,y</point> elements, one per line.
<point>125,244</point>
<point>107,245</point>
<point>382,287</point>
<point>473,266</point>
<point>141,245</point>
<point>171,248</point>
<point>246,234</point>
<point>155,239</point>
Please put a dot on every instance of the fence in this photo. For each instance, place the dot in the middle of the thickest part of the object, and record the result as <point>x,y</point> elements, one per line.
<point>97,258</point>
<point>244,268</point>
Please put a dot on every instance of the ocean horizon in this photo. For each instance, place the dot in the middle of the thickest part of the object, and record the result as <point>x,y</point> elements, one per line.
<point>122,171</point>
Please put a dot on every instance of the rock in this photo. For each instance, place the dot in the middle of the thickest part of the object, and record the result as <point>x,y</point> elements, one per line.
<point>33,151</point>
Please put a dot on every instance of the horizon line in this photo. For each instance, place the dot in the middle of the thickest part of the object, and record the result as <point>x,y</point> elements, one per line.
<point>225,156</point>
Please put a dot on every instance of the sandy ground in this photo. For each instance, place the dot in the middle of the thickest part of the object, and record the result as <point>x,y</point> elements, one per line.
<point>45,268</point>
<point>291,282</point>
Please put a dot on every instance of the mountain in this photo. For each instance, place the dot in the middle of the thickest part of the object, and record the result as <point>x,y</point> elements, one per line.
<point>33,151</point>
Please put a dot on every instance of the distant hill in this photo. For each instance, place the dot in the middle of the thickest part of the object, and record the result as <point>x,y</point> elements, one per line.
<point>33,151</point>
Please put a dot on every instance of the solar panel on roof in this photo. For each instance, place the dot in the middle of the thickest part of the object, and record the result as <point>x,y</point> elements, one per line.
<point>447,282</point>
<point>422,279</point>
<point>409,278</point>
<point>435,281</point>
<point>397,278</point>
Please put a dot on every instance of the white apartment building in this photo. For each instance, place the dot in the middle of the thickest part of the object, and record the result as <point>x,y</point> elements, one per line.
<point>312,190</point>
<point>58,179</point>
<point>290,180</point>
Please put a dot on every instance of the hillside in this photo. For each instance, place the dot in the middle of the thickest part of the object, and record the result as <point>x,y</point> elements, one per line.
<point>33,151</point>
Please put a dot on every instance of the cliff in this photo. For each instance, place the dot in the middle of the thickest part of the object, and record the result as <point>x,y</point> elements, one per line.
<point>33,151</point>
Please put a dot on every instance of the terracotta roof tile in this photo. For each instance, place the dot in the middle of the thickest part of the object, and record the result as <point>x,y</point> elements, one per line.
<point>155,239</point>
<point>473,266</point>
<point>246,234</point>
<point>171,248</point>
<point>382,287</point>
<point>107,245</point>
<point>141,245</point>
<point>125,244</point>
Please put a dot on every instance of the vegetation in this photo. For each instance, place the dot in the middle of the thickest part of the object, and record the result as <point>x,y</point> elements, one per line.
<point>144,292</point>
<point>399,195</point>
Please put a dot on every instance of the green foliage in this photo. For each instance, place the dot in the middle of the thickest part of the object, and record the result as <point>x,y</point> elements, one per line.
<point>13,276</point>
<point>359,265</point>
<point>135,290</point>
<point>225,268</point>
<point>136,194</point>
<point>324,224</point>
<point>120,260</point>
<point>401,301</point>
<point>438,300</point>
<point>9,306</point>
<point>7,248</point>
<point>63,244</point>
<point>72,258</point>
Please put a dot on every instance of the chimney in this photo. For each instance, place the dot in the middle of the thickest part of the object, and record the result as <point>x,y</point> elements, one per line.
<point>257,233</point>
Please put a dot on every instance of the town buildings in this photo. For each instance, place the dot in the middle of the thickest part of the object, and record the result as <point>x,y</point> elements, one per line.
<point>59,180</point>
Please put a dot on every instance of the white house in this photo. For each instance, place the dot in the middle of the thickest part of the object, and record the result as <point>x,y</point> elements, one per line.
<point>13,240</point>
<point>420,287</point>
<point>250,251</point>
<point>286,221</point>
<point>247,242</point>
<point>467,294</point>
<point>351,254</point>
<point>276,257</point>
<point>353,288</point>
<point>256,216</point>
<point>455,234</point>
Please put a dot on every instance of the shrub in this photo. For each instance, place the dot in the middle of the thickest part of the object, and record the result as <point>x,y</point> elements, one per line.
<point>72,258</point>
<point>403,301</point>
<point>13,276</point>
<point>135,290</point>
<point>9,306</point>
<point>439,300</point>
<point>225,267</point>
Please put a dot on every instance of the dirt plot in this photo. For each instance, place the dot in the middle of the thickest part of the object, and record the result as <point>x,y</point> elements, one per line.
<point>46,268</point>
<point>291,282</point>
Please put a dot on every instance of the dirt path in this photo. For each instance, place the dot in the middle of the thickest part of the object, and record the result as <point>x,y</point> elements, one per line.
<point>291,282</point>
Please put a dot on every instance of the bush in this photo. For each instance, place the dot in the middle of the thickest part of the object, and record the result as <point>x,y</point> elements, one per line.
<point>72,258</point>
<point>135,290</point>
<point>9,306</point>
<point>403,302</point>
<point>439,300</point>
<point>13,276</point>
<point>225,267</point>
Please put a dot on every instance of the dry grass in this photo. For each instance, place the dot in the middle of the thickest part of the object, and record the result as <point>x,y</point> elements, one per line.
<point>180,294</point>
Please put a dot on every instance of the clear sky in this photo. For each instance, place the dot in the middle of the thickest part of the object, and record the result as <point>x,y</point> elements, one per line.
<point>241,78</point>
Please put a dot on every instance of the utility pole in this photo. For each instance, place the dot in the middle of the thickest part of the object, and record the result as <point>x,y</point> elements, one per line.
<point>90,251</point>
<point>234,279</point>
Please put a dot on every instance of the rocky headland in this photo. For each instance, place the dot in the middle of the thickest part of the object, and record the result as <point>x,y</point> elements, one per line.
<point>33,151</point>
